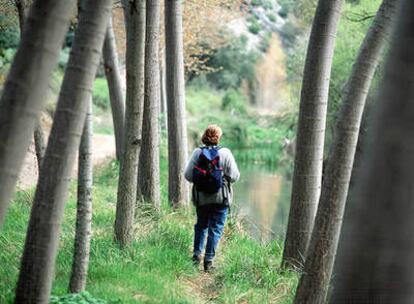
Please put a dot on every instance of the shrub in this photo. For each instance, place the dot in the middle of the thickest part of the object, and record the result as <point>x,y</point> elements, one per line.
<point>271,17</point>
<point>234,101</point>
<point>255,28</point>
<point>233,63</point>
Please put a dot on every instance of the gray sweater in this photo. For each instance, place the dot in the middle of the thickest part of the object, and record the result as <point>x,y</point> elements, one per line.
<point>230,172</point>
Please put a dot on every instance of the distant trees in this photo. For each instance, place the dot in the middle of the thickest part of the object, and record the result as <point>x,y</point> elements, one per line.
<point>307,174</point>
<point>175,85</point>
<point>42,238</point>
<point>313,285</point>
<point>113,77</point>
<point>26,86</point>
<point>376,247</point>
<point>127,184</point>
<point>149,171</point>
<point>84,208</point>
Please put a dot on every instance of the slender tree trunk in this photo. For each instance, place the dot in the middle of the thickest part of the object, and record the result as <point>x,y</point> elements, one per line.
<point>375,261</point>
<point>21,12</point>
<point>84,209</point>
<point>40,144</point>
<point>314,282</point>
<point>113,78</point>
<point>127,186</point>
<point>307,174</point>
<point>177,127</point>
<point>149,161</point>
<point>39,139</point>
<point>26,87</point>
<point>36,271</point>
<point>163,96</point>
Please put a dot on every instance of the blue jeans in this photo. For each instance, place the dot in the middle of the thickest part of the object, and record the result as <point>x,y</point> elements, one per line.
<point>209,220</point>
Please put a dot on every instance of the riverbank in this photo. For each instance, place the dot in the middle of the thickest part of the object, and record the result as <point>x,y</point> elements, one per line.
<point>156,268</point>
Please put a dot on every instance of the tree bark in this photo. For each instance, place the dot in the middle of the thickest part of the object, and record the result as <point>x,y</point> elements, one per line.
<point>39,139</point>
<point>163,96</point>
<point>314,282</point>
<point>178,193</point>
<point>113,78</point>
<point>149,161</point>
<point>21,12</point>
<point>127,186</point>
<point>26,87</point>
<point>40,144</point>
<point>307,174</point>
<point>83,233</point>
<point>376,247</point>
<point>36,271</point>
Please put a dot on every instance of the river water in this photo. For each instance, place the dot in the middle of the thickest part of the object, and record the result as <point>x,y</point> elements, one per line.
<point>261,201</point>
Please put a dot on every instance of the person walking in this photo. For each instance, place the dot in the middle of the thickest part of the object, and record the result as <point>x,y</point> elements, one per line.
<point>212,169</point>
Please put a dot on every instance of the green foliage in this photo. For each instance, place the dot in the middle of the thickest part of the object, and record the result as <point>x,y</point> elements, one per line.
<point>63,57</point>
<point>9,34</point>
<point>254,27</point>
<point>233,63</point>
<point>271,17</point>
<point>101,93</point>
<point>78,298</point>
<point>234,101</point>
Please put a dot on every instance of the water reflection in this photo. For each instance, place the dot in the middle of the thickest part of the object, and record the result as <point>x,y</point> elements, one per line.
<point>262,198</point>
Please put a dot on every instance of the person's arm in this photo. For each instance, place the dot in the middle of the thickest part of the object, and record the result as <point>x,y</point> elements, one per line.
<point>232,172</point>
<point>188,172</point>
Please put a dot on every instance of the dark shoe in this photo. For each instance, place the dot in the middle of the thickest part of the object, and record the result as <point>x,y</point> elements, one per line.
<point>196,260</point>
<point>208,266</point>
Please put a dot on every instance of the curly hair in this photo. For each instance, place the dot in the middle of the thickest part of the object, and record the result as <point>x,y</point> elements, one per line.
<point>212,135</point>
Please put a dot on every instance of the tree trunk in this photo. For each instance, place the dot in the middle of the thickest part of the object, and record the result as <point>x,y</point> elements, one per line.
<point>149,161</point>
<point>113,78</point>
<point>40,144</point>
<point>163,96</point>
<point>83,209</point>
<point>307,174</point>
<point>177,127</point>
<point>127,186</point>
<point>376,248</point>
<point>26,87</point>
<point>21,12</point>
<point>39,139</point>
<point>314,282</point>
<point>42,239</point>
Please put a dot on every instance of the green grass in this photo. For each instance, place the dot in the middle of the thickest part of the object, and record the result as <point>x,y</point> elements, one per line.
<point>156,268</point>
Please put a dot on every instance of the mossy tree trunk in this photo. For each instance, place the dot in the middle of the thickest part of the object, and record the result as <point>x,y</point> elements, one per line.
<point>376,247</point>
<point>127,185</point>
<point>36,271</point>
<point>307,175</point>
<point>149,161</point>
<point>314,282</point>
<point>177,127</point>
<point>26,87</point>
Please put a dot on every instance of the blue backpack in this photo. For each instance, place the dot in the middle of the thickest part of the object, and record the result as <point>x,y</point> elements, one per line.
<point>207,173</point>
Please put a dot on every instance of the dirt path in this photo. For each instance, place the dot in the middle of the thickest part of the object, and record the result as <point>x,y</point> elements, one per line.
<point>202,288</point>
<point>103,149</point>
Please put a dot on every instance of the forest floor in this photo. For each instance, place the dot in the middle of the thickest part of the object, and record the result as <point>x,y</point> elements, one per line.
<point>157,267</point>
